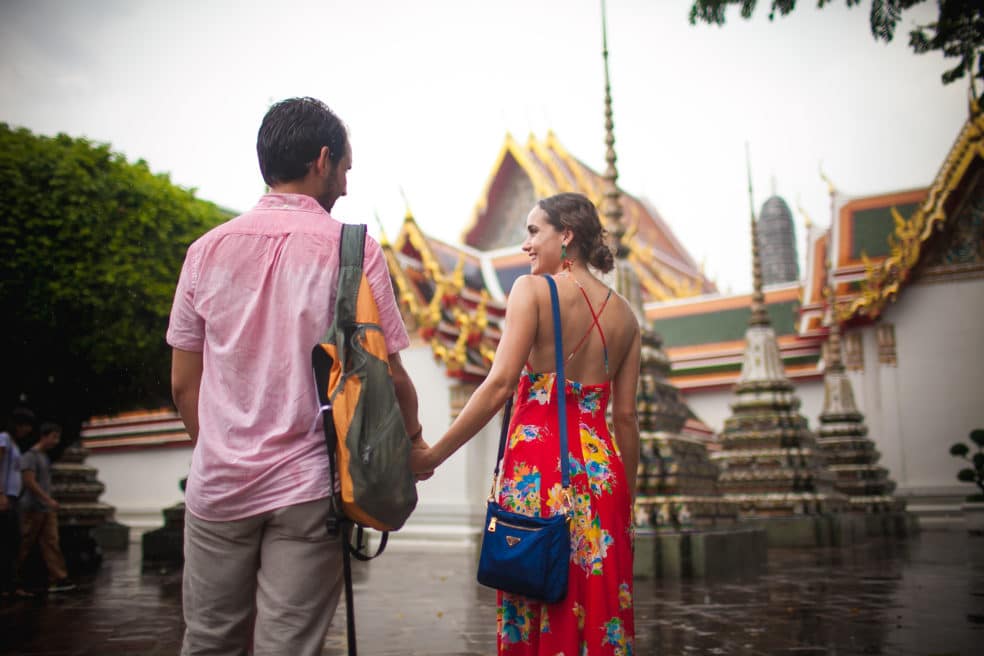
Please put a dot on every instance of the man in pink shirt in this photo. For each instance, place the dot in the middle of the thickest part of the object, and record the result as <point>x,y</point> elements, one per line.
<point>254,296</point>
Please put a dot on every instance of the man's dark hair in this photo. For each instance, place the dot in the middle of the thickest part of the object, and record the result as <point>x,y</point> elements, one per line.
<point>21,416</point>
<point>49,427</point>
<point>291,136</point>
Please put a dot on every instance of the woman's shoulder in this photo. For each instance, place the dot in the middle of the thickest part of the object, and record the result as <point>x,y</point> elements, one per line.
<point>529,283</point>
<point>619,301</point>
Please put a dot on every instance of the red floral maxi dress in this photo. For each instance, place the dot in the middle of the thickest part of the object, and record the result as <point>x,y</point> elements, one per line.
<point>596,616</point>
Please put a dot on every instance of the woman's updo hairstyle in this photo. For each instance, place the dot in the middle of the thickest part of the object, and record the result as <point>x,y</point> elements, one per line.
<point>574,212</point>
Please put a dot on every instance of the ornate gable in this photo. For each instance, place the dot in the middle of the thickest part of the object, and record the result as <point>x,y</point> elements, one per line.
<point>540,168</point>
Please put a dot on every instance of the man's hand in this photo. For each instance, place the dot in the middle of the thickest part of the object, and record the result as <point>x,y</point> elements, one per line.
<point>420,458</point>
<point>4,502</point>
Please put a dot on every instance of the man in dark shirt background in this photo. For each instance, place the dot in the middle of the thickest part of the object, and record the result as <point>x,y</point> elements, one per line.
<point>39,511</point>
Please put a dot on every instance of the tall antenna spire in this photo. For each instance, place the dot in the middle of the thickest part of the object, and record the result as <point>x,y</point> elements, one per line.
<point>610,208</point>
<point>759,316</point>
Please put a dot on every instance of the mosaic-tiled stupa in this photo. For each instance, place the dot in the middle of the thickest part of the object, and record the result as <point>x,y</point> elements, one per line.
<point>770,462</point>
<point>843,438</point>
<point>85,523</point>
<point>677,482</point>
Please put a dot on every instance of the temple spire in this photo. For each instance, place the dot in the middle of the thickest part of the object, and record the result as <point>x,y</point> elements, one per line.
<point>834,362</point>
<point>759,316</point>
<point>611,209</point>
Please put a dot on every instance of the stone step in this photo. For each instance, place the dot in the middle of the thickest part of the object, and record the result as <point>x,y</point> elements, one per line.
<point>433,536</point>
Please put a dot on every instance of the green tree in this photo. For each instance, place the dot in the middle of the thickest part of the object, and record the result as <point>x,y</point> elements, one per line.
<point>957,32</point>
<point>91,250</point>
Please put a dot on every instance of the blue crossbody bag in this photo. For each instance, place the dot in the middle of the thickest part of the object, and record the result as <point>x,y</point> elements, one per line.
<point>526,555</point>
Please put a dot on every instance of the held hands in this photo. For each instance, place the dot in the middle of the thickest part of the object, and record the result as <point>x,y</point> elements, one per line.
<point>419,450</point>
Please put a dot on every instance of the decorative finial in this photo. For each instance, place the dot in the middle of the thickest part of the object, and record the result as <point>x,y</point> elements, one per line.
<point>831,189</point>
<point>406,203</point>
<point>807,221</point>
<point>611,208</point>
<point>759,316</point>
<point>974,103</point>
<point>383,241</point>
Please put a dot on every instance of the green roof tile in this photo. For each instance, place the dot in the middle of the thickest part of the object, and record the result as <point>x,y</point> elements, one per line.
<point>724,325</point>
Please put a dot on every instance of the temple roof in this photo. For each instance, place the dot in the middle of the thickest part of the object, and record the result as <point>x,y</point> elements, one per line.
<point>543,167</point>
<point>705,336</point>
<point>453,295</point>
<point>876,243</point>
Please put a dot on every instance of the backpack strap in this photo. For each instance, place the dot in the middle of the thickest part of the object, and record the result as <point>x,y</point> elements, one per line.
<point>351,252</point>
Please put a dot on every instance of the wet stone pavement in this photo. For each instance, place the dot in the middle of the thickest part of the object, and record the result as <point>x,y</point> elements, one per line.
<point>924,596</point>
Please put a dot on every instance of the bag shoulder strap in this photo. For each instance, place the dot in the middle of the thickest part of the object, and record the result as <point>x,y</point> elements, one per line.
<point>351,249</point>
<point>561,384</point>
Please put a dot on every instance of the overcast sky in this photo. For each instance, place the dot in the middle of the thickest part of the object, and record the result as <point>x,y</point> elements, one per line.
<point>429,90</point>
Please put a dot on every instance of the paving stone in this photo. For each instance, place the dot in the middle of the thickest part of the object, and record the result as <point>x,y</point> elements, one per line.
<point>920,597</point>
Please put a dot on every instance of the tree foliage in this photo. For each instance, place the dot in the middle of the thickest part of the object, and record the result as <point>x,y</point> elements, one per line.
<point>957,32</point>
<point>92,246</point>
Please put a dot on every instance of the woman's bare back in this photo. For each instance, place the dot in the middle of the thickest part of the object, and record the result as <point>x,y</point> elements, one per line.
<point>616,320</point>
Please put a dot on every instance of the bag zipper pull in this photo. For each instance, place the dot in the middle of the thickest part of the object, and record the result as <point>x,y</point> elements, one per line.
<point>492,525</point>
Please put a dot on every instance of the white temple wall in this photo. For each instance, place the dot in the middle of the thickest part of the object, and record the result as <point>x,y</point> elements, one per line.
<point>936,384</point>
<point>141,483</point>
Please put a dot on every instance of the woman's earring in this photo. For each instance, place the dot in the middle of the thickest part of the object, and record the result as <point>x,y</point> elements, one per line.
<point>565,263</point>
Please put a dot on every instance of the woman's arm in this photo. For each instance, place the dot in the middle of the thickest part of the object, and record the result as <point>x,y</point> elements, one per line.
<point>624,411</point>
<point>518,333</point>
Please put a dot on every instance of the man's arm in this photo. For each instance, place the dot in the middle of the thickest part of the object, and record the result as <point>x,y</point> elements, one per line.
<point>31,483</point>
<point>186,379</point>
<point>406,396</point>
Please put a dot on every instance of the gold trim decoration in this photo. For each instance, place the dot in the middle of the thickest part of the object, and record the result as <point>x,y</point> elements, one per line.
<point>883,281</point>
<point>541,185</point>
<point>560,182</point>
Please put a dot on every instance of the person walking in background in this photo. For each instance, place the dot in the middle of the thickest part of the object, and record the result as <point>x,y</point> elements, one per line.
<point>254,296</point>
<point>21,424</point>
<point>601,338</point>
<point>39,511</point>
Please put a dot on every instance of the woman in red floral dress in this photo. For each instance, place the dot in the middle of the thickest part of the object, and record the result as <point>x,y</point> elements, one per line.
<point>601,340</point>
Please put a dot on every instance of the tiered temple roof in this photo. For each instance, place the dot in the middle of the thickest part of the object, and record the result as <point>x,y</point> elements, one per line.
<point>453,296</point>
<point>878,244</point>
<point>705,337</point>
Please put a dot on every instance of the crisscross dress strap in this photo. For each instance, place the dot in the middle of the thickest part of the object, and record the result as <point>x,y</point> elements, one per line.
<point>594,324</point>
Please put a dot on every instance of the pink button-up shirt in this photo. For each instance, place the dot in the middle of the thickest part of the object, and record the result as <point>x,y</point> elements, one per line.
<point>254,296</point>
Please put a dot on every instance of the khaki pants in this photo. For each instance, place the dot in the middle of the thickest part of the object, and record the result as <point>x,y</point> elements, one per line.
<point>41,527</point>
<point>281,567</point>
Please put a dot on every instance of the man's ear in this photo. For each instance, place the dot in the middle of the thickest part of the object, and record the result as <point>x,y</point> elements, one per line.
<point>323,162</point>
